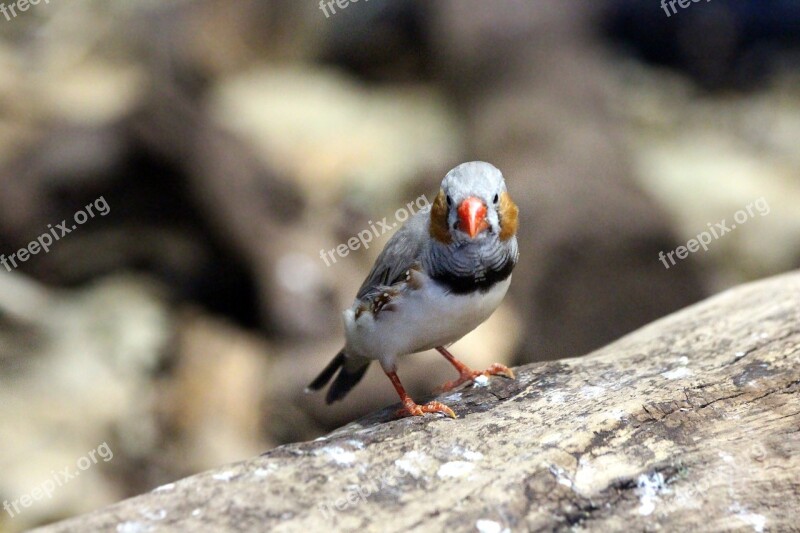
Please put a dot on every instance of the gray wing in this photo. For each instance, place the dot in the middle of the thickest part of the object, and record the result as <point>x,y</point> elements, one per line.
<point>401,253</point>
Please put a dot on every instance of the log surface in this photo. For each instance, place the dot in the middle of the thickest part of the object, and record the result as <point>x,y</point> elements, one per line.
<point>689,424</point>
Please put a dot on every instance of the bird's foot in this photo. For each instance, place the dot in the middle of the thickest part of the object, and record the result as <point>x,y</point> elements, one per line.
<point>412,409</point>
<point>470,375</point>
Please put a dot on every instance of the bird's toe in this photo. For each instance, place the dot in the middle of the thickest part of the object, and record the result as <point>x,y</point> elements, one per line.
<point>413,409</point>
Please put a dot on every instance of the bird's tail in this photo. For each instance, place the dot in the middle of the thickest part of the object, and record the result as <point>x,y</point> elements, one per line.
<point>350,371</point>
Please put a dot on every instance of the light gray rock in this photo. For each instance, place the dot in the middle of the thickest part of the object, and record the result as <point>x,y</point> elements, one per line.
<point>688,424</point>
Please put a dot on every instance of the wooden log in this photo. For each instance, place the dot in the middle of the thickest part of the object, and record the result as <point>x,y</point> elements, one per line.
<point>689,424</point>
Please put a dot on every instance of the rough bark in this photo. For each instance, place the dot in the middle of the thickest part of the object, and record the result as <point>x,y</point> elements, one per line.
<point>690,424</point>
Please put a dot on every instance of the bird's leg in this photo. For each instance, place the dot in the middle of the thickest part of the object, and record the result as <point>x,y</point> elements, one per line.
<point>412,409</point>
<point>467,374</point>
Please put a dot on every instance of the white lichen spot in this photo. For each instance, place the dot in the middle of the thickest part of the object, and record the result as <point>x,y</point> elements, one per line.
<point>683,360</point>
<point>264,471</point>
<point>648,487</point>
<point>339,455</point>
<point>133,527</point>
<point>678,373</point>
<point>161,514</point>
<point>586,472</point>
<point>197,513</point>
<point>489,526</point>
<point>592,391</point>
<point>617,414</point>
<point>756,521</point>
<point>412,463</point>
<point>472,456</point>
<point>480,381</point>
<point>224,476</point>
<point>728,458</point>
<point>556,397</point>
<point>357,444</point>
<point>454,469</point>
<point>551,438</point>
<point>165,488</point>
<point>561,476</point>
<point>739,355</point>
<point>467,454</point>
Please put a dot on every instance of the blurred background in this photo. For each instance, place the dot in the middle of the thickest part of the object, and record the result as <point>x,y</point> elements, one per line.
<point>235,140</point>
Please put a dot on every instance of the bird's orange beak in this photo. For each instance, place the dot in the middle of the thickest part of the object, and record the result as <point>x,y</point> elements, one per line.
<point>472,214</point>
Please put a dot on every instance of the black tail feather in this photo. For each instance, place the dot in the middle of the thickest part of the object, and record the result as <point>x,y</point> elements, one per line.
<point>346,379</point>
<point>326,375</point>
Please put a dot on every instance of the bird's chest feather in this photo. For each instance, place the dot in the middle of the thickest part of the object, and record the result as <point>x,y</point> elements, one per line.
<point>439,311</point>
<point>422,317</point>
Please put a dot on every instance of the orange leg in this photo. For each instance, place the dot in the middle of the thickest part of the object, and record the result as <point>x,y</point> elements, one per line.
<point>412,409</point>
<point>467,374</point>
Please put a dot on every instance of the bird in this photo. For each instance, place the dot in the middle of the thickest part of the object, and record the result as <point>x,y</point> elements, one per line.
<point>441,275</point>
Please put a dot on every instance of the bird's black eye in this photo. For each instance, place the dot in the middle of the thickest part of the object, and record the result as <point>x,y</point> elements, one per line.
<point>496,198</point>
<point>449,201</point>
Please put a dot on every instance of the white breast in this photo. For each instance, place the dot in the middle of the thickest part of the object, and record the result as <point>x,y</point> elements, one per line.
<point>420,320</point>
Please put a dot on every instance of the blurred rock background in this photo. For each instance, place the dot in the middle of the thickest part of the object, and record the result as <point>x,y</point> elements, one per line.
<point>235,140</point>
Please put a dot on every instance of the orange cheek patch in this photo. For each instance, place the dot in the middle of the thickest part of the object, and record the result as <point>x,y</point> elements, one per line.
<point>509,217</point>
<point>438,228</point>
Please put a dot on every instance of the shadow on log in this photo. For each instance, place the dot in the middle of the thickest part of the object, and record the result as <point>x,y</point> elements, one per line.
<point>691,423</point>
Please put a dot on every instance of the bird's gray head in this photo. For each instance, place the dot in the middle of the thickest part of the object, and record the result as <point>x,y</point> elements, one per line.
<point>473,204</point>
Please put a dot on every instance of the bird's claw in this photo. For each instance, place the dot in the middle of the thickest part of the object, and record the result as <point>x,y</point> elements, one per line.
<point>500,370</point>
<point>495,370</point>
<point>413,409</point>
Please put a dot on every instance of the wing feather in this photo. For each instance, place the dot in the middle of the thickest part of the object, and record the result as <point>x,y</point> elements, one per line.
<point>402,252</point>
